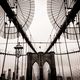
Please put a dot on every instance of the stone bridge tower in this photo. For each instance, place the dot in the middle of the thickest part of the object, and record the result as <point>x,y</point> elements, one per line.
<point>41,58</point>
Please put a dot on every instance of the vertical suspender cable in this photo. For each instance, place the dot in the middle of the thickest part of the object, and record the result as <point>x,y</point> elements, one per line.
<point>57,60</point>
<point>68,57</point>
<point>76,35</point>
<point>4,26</point>
<point>5,49</point>
<point>22,59</point>
<point>25,62</point>
<point>61,61</point>
<point>25,67</point>
<point>15,68</point>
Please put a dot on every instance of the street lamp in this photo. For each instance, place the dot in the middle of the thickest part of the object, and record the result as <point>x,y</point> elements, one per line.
<point>18,50</point>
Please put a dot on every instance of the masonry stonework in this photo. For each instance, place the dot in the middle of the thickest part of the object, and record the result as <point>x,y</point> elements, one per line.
<point>41,58</point>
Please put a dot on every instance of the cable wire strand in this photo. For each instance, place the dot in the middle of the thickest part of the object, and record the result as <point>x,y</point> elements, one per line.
<point>76,36</point>
<point>68,57</point>
<point>6,49</point>
<point>58,60</point>
<point>61,61</point>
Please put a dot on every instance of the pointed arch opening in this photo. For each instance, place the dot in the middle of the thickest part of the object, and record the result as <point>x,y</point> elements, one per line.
<point>46,71</point>
<point>35,71</point>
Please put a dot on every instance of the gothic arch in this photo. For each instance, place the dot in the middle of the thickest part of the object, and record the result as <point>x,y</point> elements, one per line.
<point>47,70</point>
<point>35,71</point>
<point>41,58</point>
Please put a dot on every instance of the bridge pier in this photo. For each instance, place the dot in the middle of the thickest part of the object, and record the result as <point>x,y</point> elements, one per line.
<point>41,58</point>
<point>41,73</point>
<point>29,67</point>
<point>53,68</point>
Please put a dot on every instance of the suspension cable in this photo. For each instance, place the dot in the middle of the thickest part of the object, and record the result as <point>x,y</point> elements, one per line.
<point>25,67</point>
<point>49,37</point>
<point>68,19</point>
<point>61,61</point>
<point>24,17</point>
<point>11,15</point>
<point>59,11</point>
<point>76,35</point>
<point>6,48</point>
<point>68,57</point>
<point>57,59</point>
<point>22,60</point>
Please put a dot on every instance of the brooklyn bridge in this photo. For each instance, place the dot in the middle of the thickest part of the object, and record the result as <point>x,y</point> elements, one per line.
<point>25,58</point>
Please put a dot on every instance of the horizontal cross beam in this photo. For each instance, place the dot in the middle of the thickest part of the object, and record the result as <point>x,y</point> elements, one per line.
<point>1,53</point>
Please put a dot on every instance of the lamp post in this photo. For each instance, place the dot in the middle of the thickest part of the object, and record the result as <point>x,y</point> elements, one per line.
<point>18,50</point>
